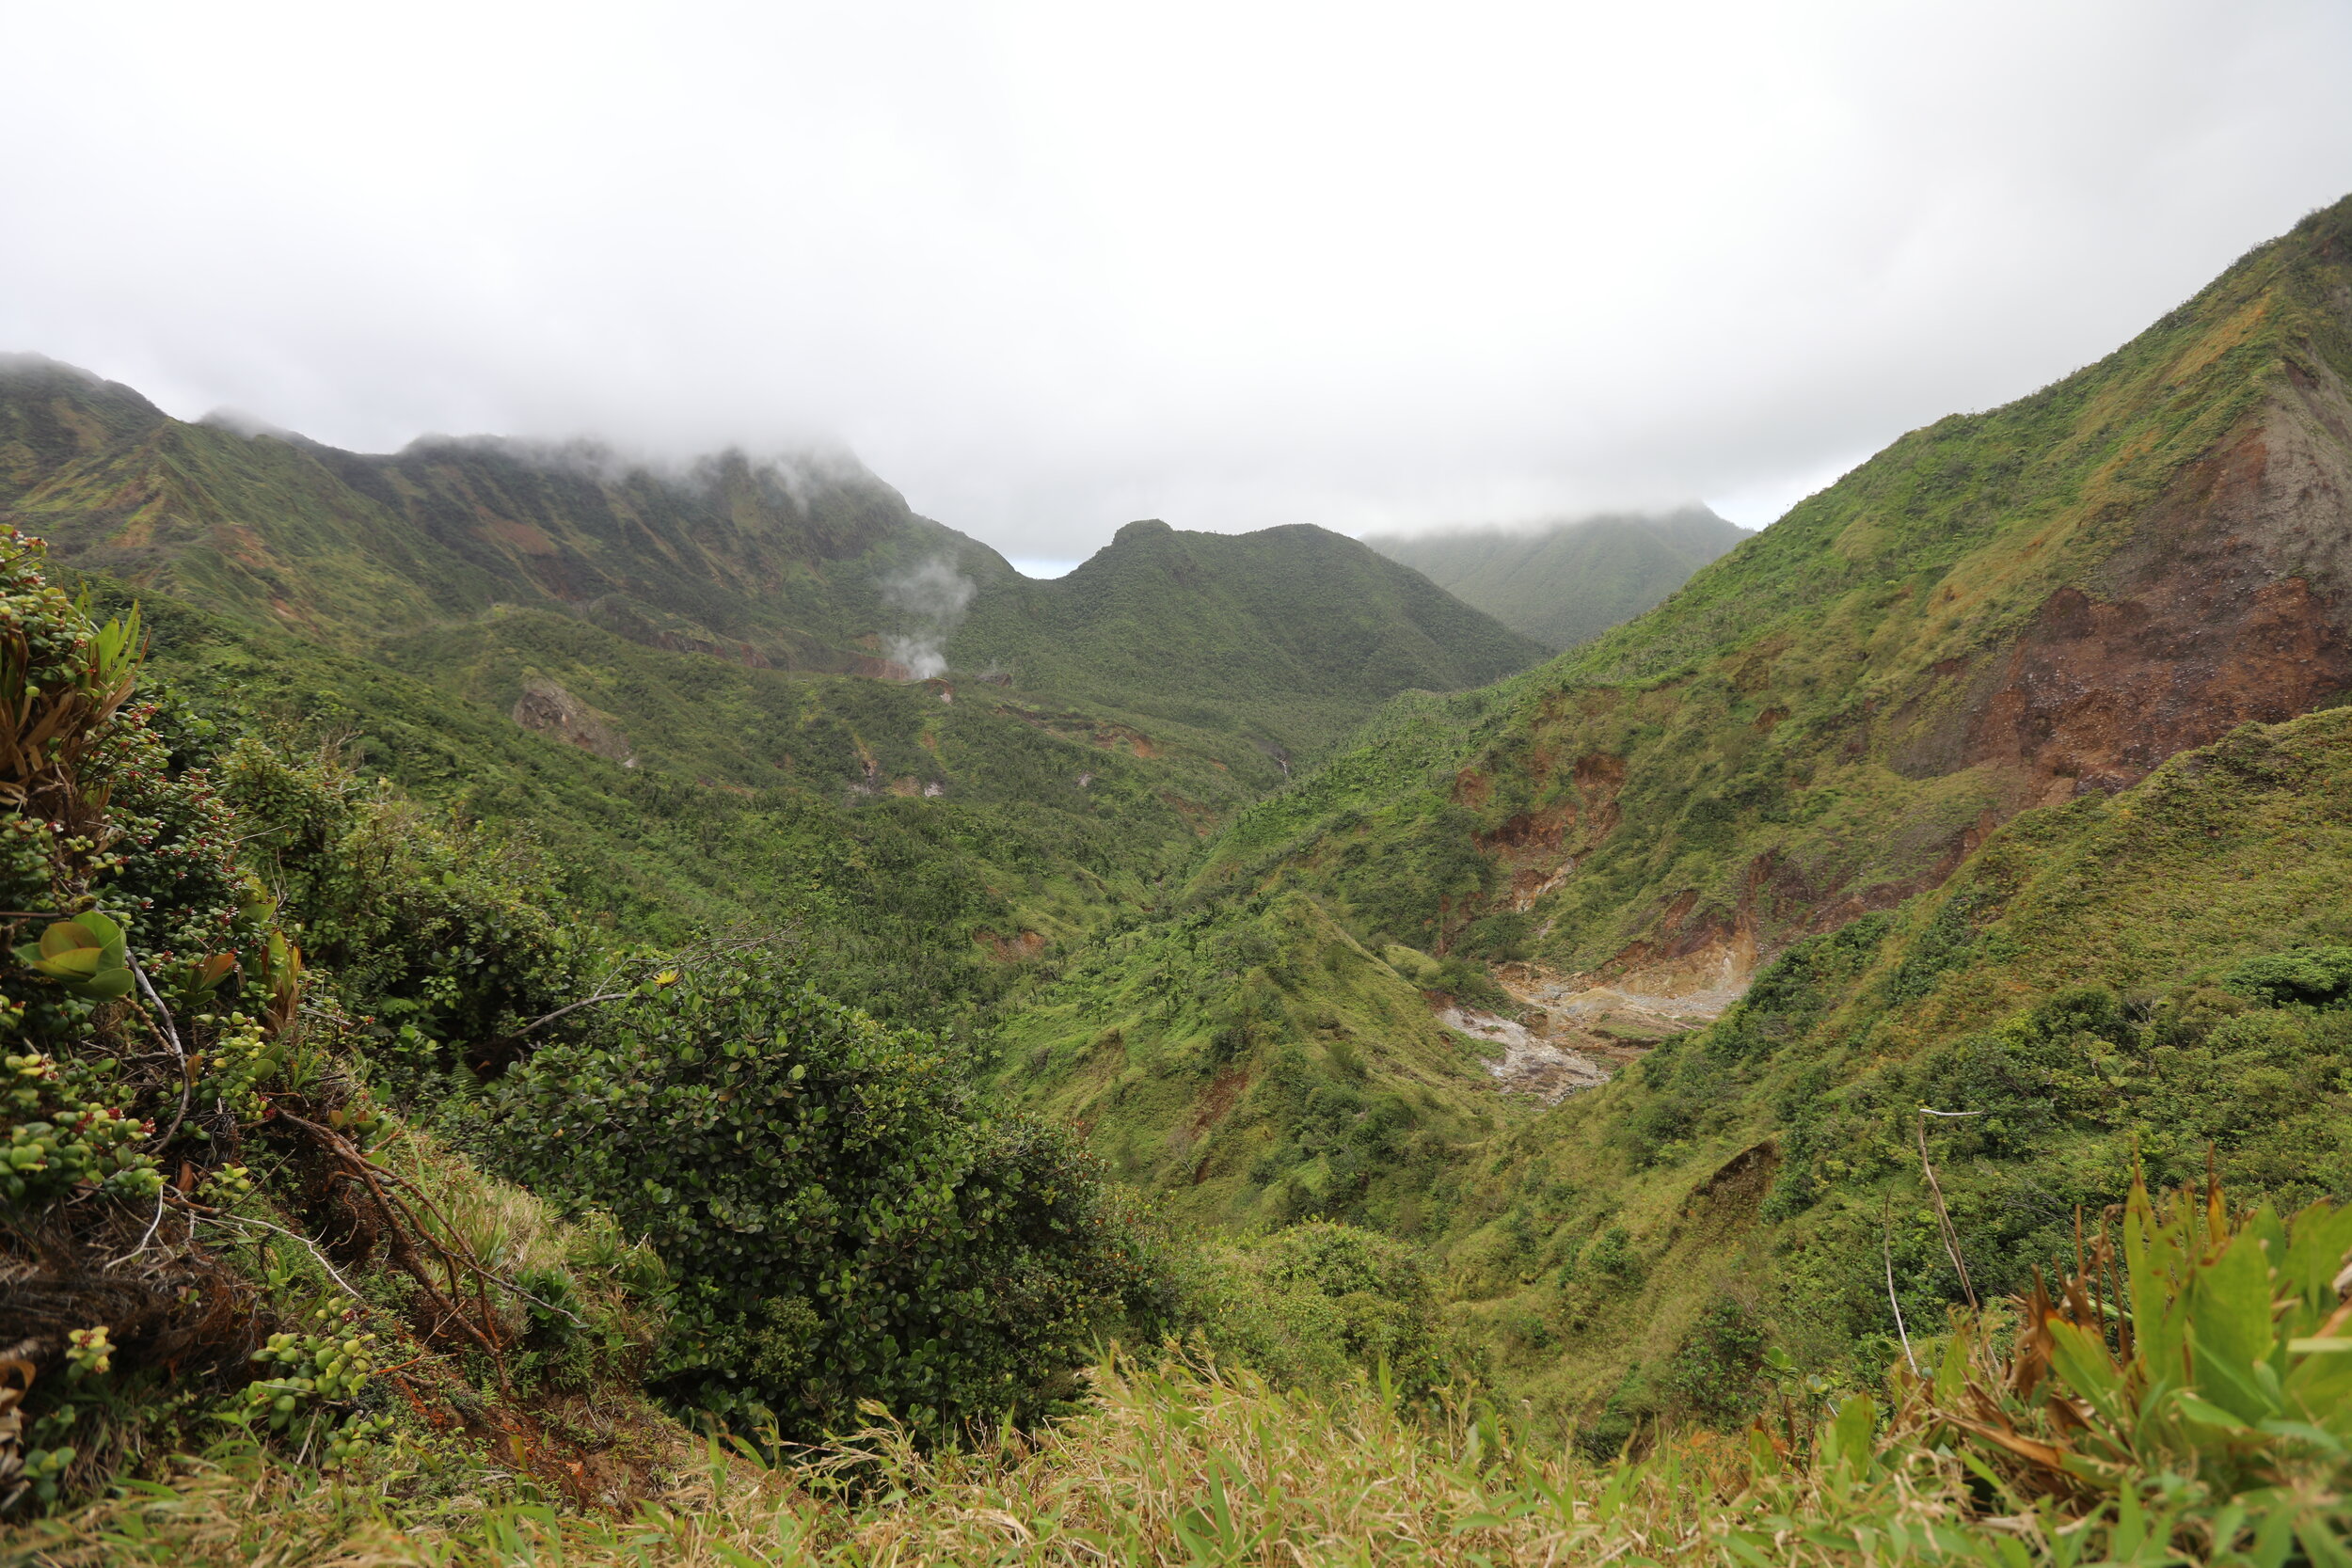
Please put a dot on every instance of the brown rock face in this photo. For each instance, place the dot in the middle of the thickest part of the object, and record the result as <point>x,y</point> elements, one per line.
<point>545,708</point>
<point>2228,603</point>
<point>2000,611</point>
<point>1012,949</point>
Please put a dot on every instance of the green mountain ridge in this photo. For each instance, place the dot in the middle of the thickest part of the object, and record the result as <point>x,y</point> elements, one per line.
<point>1999,610</point>
<point>773,563</point>
<point>805,563</point>
<point>1962,667</point>
<point>1932,869</point>
<point>1565,584</point>
<point>1289,626</point>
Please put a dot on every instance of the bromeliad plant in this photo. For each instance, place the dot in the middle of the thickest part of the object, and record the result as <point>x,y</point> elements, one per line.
<point>2209,1353</point>
<point>88,955</point>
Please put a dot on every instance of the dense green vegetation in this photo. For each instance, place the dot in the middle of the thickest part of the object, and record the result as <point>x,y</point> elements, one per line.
<point>1567,583</point>
<point>2088,998</point>
<point>780,1205</point>
<point>449,1048</point>
<point>475,562</point>
<point>1258,1066</point>
<point>781,562</point>
<point>843,1229</point>
<point>1279,635</point>
<point>1796,753</point>
<point>1987,615</point>
<point>2179,1400</point>
<point>812,821</point>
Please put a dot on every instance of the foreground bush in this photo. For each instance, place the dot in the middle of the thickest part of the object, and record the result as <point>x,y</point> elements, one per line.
<point>1313,1305</point>
<point>844,1226</point>
<point>208,1227</point>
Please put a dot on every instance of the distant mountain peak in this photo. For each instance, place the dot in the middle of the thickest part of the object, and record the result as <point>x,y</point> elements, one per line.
<point>1565,581</point>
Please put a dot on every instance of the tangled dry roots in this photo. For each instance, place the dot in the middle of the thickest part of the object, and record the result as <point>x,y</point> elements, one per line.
<point>172,1307</point>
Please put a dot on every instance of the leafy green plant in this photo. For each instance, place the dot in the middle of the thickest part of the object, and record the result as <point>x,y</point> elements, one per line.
<point>318,1377</point>
<point>2314,977</point>
<point>88,955</point>
<point>842,1225</point>
<point>2209,1345</point>
<point>1319,1304</point>
<point>63,1136</point>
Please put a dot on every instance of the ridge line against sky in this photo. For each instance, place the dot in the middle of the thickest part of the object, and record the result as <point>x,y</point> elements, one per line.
<point>1047,267</point>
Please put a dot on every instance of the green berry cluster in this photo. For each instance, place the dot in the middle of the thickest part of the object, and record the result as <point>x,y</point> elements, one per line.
<point>326,1366</point>
<point>237,1064</point>
<point>59,1141</point>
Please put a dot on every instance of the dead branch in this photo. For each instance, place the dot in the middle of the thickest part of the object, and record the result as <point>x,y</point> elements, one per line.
<point>1943,1215</point>
<point>404,1251</point>
<point>171,1034</point>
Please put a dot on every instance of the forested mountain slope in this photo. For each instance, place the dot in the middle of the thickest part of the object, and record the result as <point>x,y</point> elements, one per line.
<point>1567,583</point>
<point>1290,628</point>
<point>2152,981</point>
<point>452,1038</point>
<point>1281,641</point>
<point>920,854</point>
<point>2001,611</point>
<point>777,561</point>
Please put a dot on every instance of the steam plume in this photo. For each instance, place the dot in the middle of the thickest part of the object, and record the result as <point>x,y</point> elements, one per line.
<point>935,596</point>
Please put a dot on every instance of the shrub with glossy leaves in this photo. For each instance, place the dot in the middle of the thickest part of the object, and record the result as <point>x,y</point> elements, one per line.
<point>451,932</point>
<point>2313,976</point>
<point>842,1225</point>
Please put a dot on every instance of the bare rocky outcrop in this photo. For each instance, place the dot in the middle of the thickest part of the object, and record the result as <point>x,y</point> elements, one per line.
<point>1530,1063</point>
<point>545,708</point>
<point>2229,601</point>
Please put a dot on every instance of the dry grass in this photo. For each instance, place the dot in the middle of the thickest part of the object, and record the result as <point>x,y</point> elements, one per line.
<point>1173,1466</point>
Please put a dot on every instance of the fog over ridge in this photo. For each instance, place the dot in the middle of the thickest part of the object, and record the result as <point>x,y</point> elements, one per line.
<point>1044,267</point>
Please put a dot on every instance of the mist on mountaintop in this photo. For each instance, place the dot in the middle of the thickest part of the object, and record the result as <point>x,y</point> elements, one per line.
<point>1047,266</point>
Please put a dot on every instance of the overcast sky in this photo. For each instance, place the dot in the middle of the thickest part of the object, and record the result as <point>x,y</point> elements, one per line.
<point>1049,266</point>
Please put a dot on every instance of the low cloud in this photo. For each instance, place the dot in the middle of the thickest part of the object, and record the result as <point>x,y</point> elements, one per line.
<point>1049,266</point>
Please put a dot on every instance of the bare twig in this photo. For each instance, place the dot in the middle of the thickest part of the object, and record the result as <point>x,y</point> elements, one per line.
<point>573,1007</point>
<point>1886,1252</point>
<point>465,1253</point>
<point>171,1034</point>
<point>684,961</point>
<point>1943,1215</point>
<point>304,1241</point>
<point>404,1251</point>
<point>151,1226</point>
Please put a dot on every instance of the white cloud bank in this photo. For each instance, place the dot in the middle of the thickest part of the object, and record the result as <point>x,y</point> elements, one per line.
<point>1051,265</point>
